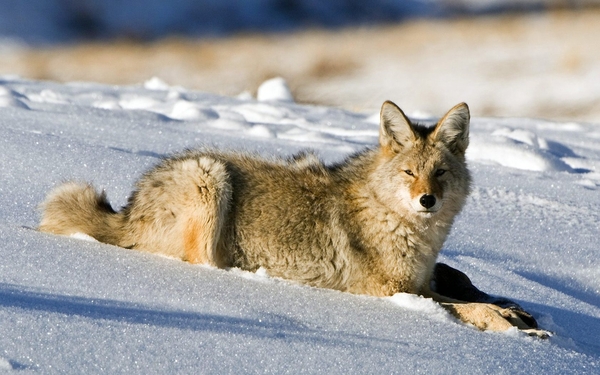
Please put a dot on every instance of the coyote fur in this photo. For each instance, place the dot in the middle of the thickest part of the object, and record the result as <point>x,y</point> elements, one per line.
<point>372,224</point>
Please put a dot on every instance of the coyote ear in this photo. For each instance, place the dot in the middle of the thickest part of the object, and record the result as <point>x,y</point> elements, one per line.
<point>453,129</point>
<point>395,129</point>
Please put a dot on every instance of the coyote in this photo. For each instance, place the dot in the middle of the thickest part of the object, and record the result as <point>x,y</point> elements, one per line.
<point>372,224</point>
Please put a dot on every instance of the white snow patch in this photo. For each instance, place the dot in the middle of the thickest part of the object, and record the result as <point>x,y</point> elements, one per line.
<point>418,303</point>
<point>185,110</point>
<point>229,124</point>
<point>261,131</point>
<point>106,104</point>
<point>138,102</point>
<point>9,98</point>
<point>260,275</point>
<point>245,95</point>
<point>5,364</point>
<point>515,149</point>
<point>274,90</point>
<point>587,183</point>
<point>9,101</point>
<point>83,237</point>
<point>156,83</point>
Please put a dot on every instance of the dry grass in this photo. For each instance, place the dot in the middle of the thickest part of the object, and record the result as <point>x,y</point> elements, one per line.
<point>541,65</point>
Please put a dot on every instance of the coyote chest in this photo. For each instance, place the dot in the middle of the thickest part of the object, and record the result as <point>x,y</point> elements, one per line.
<point>403,250</point>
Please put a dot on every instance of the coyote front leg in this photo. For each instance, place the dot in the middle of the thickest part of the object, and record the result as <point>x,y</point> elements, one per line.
<point>455,292</point>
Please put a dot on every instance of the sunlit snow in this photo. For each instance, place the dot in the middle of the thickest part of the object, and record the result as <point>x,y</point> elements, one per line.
<point>528,232</point>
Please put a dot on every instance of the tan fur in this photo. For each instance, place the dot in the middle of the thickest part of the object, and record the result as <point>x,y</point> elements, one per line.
<point>360,226</point>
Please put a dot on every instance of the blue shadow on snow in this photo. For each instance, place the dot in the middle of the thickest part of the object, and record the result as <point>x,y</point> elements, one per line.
<point>271,326</point>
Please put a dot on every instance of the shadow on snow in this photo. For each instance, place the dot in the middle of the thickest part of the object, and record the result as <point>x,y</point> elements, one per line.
<point>270,326</point>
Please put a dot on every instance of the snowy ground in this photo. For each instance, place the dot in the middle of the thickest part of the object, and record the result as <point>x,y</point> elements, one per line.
<point>529,232</point>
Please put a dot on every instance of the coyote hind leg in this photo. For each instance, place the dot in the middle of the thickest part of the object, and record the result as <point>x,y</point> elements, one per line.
<point>208,203</point>
<point>179,210</point>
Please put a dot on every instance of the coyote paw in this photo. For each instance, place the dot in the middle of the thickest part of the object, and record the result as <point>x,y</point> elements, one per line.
<point>486,316</point>
<point>540,333</point>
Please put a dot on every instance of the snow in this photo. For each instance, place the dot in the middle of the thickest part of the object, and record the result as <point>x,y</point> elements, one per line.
<point>71,305</point>
<point>274,89</point>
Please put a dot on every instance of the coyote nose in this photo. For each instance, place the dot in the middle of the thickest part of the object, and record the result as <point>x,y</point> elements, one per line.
<point>427,201</point>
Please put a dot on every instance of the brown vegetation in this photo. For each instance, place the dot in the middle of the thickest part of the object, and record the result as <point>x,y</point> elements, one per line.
<point>539,64</point>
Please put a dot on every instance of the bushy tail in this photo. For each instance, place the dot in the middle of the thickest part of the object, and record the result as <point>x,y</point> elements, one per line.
<point>77,208</point>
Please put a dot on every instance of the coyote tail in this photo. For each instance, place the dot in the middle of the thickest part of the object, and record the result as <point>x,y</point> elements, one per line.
<point>78,208</point>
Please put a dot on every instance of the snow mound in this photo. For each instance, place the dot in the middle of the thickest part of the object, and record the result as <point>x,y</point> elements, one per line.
<point>5,365</point>
<point>421,304</point>
<point>83,237</point>
<point>520,149</point>
<point>274,90</point>
<point>8,98</point>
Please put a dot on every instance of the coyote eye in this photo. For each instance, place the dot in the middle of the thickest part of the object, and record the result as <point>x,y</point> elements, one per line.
<point>408,172</point>
<point>440,172</point>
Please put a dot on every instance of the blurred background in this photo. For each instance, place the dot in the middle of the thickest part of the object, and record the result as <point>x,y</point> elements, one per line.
<point>523,58</point>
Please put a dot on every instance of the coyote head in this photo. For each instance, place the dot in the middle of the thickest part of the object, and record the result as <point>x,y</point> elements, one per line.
<point>421,169</point>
